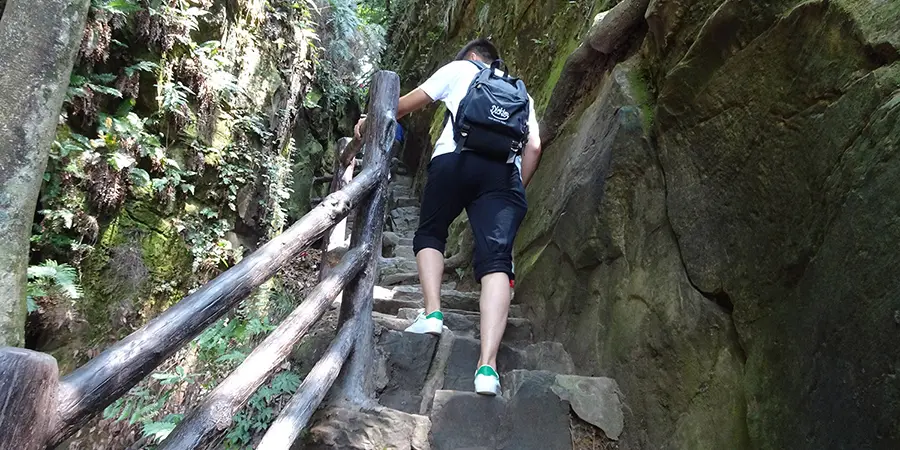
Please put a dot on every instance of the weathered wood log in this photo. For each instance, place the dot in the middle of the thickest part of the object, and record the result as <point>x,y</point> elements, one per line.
<point>357,385</point>
<point>349,152</point>
<point>103,379</point>
<point>38,42</point>
<point>29,382</point>
<point>296,414</point>
<point>335,236</point>
<point>602,44</point>
<point>205,425</point>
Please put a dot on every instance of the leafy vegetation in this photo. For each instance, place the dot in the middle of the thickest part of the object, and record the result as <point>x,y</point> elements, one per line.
<point>51,280</point>
<point>168,131</point>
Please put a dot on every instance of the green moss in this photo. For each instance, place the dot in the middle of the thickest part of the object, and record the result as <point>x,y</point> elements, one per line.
<point>639,82</point>
<point>140,267</point>
<point>878,20</point>
<point>542,97</point>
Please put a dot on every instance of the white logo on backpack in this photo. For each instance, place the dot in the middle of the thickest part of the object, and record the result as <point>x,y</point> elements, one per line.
<point>499,113</point>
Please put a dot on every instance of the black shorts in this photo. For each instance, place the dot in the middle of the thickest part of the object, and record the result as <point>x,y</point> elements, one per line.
<point>494,199</point>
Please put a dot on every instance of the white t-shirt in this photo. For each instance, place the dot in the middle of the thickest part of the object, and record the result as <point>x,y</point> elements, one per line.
<point>450,84</point>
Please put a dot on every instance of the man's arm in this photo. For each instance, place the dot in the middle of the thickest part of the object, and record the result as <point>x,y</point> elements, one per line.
<point>414,101</point>
<point>531,155</point>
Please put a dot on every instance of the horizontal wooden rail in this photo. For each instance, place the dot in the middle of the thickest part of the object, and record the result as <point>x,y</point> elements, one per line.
<point>205,425</point>
<point>296,414</point>
<point>106,377</point>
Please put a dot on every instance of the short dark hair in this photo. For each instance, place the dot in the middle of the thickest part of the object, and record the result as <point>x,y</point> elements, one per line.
<point>482,47</point>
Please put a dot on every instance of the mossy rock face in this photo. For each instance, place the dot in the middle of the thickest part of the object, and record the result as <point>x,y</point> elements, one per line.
<point>307,157</point>
<point>600,271</point>
<point>140,267</point>
<point>777,130</point>
<point>735,273</point>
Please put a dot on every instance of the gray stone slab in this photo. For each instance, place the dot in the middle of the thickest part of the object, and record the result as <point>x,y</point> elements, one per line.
<point>335,428</point>
<point>466,420</point>
<point>595,400</point>
<point>537,418</point>
<point>407,357</point>
<point>405,201</point>
<point>405,219</point>
<point>463,363</point>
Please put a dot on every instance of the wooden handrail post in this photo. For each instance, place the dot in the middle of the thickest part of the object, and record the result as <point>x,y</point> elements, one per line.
<point>29,382</point>
<point>336,236</point>
<point>356,384</point>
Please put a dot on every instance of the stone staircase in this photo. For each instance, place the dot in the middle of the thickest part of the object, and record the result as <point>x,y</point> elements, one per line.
<point>424,383</point>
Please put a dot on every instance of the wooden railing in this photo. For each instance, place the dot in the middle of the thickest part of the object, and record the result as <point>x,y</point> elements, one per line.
<point>40,410</point>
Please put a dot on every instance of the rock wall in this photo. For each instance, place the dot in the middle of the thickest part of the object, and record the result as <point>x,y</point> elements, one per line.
<point>778,129</point>
<point>600,269</point>
<point>713,228</point>
<point>228,165</point>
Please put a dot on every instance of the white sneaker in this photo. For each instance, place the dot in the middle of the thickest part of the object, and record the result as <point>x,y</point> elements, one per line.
<point>487,382</point>
<point>430,324</point>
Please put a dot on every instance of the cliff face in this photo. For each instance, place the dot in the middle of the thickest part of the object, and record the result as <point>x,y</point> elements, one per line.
<point>777,129</point>
<point>713,225</point>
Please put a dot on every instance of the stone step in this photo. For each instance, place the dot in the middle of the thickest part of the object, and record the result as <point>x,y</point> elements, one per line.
<point>412,295</point>
<point>406,241</point>
<point>404,201</point>
<point>405,219</point>
<point>468,323</point>
<point>404,251</point>
<point>466,420</point>
<point>404,360</point>
<point>593,400</point>
<point>396,264</point>
<point>463,360</point>
<point>537,411</point>
<point>406,278</point>
<point>337,428</point>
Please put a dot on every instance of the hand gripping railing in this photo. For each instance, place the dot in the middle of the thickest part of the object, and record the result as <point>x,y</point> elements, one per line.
<point>39,410</point>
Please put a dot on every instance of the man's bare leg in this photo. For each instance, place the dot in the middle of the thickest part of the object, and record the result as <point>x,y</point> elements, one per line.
<point>495,299</point>
<point>430,263</point>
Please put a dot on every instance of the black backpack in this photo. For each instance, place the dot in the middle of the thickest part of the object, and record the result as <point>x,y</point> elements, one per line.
<point>492,119</point>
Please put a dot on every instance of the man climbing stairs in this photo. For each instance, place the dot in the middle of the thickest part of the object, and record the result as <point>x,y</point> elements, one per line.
<point>424,382</point>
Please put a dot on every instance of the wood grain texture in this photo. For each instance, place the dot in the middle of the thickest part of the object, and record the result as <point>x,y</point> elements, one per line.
<point>295,416</point>
<point>356,384</point>
<point>335,236</point>
<point>206,424</point>
<point>105,378</point>
<point>29,382</point>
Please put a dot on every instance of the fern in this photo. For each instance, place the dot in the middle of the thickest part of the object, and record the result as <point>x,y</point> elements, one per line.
<point>174,98</point>
<point>51,276</point>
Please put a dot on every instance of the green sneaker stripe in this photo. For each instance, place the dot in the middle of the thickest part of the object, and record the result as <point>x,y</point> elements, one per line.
<point>487,370</point>
<point>435,315</point>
